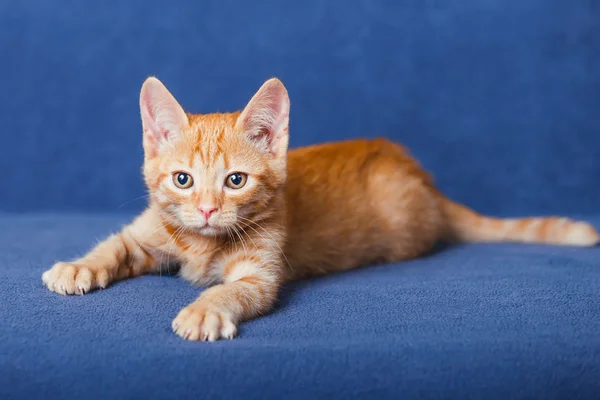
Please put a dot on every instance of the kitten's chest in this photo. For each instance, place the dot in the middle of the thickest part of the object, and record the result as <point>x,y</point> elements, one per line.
<point>197,261</point>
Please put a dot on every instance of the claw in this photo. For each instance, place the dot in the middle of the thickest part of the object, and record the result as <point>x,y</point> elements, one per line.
<point>81,290</point>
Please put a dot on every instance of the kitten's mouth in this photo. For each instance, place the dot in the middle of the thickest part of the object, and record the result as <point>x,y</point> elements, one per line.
<point>207,229</point>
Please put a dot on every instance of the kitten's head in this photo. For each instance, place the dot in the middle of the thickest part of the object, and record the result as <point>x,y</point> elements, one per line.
<point>215,172</point>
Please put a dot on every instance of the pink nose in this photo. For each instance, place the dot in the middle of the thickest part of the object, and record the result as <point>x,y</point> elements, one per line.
<point>207,210</point>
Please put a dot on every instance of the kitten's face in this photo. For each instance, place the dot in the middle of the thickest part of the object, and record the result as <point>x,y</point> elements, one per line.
<point>215,173</point>
<point>213,179</point>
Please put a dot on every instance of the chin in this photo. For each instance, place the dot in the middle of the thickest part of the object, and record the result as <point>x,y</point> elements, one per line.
<point>209,231</point>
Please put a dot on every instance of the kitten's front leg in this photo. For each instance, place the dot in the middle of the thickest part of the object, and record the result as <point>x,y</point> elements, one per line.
<point>120,256</point>
<point>250,285</point>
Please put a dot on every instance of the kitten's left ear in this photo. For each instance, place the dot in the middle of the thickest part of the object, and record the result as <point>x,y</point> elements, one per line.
<point>265,119</point>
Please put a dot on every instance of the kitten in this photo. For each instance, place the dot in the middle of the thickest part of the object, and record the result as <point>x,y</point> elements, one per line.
<point>234,209</point>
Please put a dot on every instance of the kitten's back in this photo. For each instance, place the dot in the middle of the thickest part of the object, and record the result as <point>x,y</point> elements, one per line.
<point>363,201</point>
<point>356,202</point>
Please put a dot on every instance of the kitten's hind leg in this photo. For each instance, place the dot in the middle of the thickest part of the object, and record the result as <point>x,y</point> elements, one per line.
<point>120,256</point>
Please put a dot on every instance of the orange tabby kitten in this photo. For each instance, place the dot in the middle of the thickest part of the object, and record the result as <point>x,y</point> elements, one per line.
<point>233,208</point>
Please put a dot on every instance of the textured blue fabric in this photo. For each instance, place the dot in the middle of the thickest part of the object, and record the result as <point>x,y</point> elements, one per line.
<point>472,321</point>
<point>499,99</point>
<point>501,96</point>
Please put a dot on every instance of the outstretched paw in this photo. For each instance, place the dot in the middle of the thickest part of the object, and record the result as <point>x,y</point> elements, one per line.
<point>66,278</point>
<point>202,321</point>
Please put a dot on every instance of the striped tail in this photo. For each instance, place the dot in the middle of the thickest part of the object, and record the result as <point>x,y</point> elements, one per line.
<point>464,224</point>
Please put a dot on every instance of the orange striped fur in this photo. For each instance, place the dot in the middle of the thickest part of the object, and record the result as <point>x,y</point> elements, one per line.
<point>311,211</point>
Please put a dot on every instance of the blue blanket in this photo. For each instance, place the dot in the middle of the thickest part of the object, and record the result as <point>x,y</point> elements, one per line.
<point>470,321</point>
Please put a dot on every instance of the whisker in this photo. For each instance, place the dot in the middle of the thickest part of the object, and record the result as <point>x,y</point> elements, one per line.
<point>174,238</point>
<point>268,233</point>
<point>181,233</point>
<point>167,249</point>
<point>230,231</point>
<point>137,198</point>
<point>248,236</point>
<point>242,241</point>
<point>229,238</point>
<point>269,242</point>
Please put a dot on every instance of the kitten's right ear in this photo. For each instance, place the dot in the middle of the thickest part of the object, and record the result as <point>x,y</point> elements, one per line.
<point>162,116</point>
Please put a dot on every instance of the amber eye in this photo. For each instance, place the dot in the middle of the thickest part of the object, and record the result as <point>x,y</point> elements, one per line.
<point>182,180</point>
<point>237,180</point>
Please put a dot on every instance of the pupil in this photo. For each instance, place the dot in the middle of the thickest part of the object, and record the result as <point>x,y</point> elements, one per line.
<point>236,179</point>
<point>182,179</point>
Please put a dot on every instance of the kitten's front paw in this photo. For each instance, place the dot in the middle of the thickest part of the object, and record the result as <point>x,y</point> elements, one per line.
<point>65,278</point>
<point>202,321</point>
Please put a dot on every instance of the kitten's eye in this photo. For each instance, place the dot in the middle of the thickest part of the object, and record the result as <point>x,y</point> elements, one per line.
<point>182,180</point>
<point>237,180</point>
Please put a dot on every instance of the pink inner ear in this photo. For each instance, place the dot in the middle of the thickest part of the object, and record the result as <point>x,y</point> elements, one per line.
<point>149,120</point>
<point>162,116</point>
<point>263,133</point>
<point>265,118</point>
<point>148,116</point>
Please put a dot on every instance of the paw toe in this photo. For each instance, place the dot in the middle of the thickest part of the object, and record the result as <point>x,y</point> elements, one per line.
<point>46,277</point>
<point>211,326</point>
<point>67,279</point>
<point>199,323</point>
<point>102,278</point>
<point>83,281</point>
<point>228,330</point>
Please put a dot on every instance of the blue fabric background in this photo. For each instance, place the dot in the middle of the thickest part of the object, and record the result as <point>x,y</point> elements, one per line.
<point>499,99</point>
<point>470,322</point>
